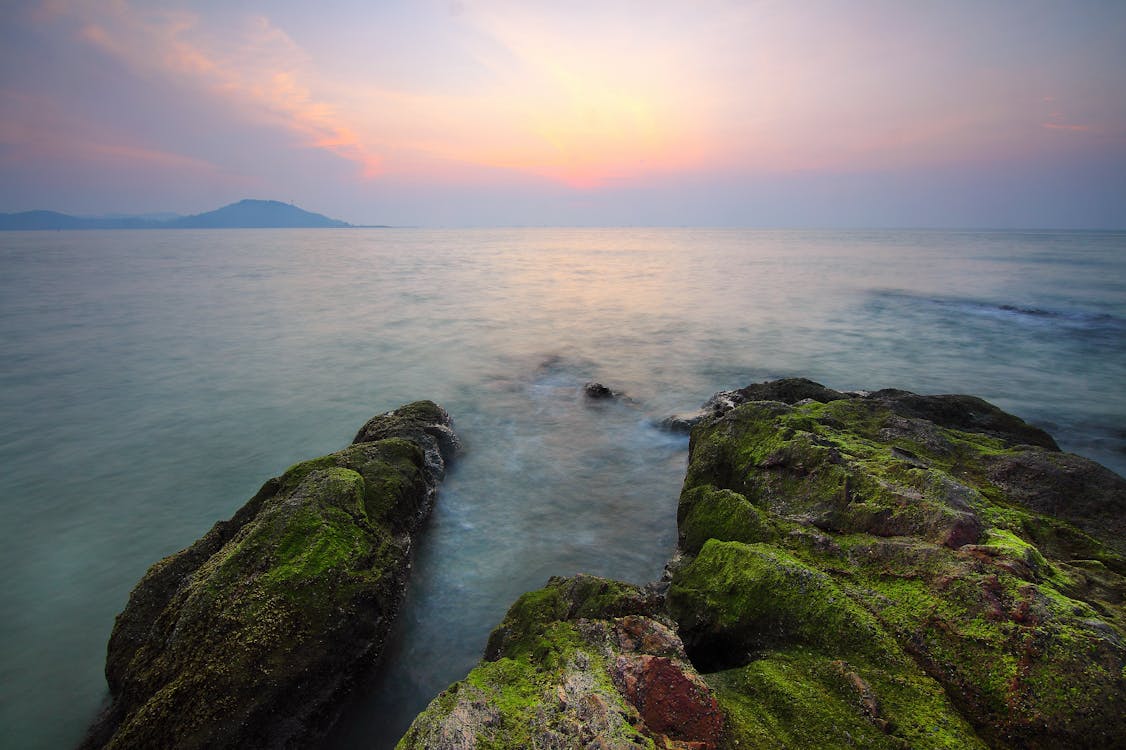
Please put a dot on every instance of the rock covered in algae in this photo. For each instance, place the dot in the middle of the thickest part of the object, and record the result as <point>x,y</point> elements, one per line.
<point>583,662</point>
<point>892,570</point>
<point>249,637</point>
<point>877,570</point>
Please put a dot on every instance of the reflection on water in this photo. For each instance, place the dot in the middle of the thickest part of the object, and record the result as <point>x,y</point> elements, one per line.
<point>150,381</point>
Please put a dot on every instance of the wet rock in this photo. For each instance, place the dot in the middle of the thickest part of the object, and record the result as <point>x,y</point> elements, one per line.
<point>566,599</point>
<point>597,391</point>
<point>422,422</point>
<point>1068,487</point>
<point>787,390</point>
<point>681,423</point>
<point>892,570</point>
<point>670,697</point>
<point>583,662</point>
<point>959,412</point>
<point>249,637</point>
<point>718,404</point>
<point>967,413</point>
<point>707,512</point>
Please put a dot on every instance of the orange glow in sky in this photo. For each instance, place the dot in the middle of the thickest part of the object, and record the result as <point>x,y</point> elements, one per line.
<point>585,96</point>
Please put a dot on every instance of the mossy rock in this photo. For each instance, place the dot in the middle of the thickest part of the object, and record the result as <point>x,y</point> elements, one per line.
<point>734,600</point>
<point>425,424</point>
<point>568,599</point>
<point>583,662</point>
<point>710,513</point>
<point>788,391</point>
<point>248,637</point>
<point>929,541</point>
<point>805,698</point>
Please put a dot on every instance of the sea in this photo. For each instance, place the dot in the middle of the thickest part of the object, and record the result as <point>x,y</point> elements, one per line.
<point>152,380</point>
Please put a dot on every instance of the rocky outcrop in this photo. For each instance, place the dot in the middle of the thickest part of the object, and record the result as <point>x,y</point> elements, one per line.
<point>249,637</point>
<point>425,424</point>
<point>955,411</point>
<point>787,390</point>
<point>884,569</point>
<point>583,662</point>
<point>864,569</point>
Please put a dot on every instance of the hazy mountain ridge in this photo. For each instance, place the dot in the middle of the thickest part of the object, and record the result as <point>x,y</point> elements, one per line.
<point>261,214</point>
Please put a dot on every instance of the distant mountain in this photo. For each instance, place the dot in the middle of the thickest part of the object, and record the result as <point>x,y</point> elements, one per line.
<point>252,213</point>
<point>159,216</point>
<point>55,220</point>
<point>39,220</point>
<point>244,214</point>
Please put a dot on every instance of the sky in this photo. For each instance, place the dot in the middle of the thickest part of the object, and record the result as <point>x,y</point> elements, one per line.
<point>943,113</point>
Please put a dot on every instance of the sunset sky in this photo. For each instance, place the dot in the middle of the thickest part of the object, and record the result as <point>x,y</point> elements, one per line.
<point>949,113</point>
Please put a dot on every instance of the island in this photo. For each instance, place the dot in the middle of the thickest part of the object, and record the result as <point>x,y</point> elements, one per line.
<point>245,214</point>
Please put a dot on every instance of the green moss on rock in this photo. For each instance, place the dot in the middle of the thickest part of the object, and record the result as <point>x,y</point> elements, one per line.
<point>796,662</point>
<point>247,637</point>
<point>583,662</point>
<point>709,513</point>
<point>563,599</point>
<point>736,599</point>
<point>915,544</point>
<point>805,698</point>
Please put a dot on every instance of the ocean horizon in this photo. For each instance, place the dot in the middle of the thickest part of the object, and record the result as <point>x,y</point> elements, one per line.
<point>152,381</point>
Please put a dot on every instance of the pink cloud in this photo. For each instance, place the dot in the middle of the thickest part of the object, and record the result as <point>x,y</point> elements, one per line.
<point>256,72</point>
<point>1067,127</point>
<point>40,131</point>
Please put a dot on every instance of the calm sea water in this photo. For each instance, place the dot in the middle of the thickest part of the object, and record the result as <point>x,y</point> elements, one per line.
<point>150,381</point>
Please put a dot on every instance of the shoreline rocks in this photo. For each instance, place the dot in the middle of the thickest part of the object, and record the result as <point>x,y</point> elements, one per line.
<point>862,569</point>
<point>875,569</point>
<point>891,554</point>
<point>954,411</point>
<point>250,636</point>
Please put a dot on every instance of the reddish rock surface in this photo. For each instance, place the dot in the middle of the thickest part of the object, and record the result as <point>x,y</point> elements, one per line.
<point>672,702</point>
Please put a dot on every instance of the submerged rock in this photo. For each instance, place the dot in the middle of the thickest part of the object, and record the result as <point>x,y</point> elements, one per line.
<point>597,391</point>
<point>680,423</point>
<point>249,637</point>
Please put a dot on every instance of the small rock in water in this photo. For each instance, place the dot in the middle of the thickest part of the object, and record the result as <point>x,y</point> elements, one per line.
<point>681,423</point>
<point>597,391</point>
